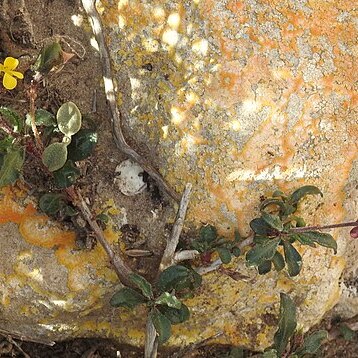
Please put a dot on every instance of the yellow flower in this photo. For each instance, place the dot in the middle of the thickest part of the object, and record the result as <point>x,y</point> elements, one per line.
<point>9,81</point>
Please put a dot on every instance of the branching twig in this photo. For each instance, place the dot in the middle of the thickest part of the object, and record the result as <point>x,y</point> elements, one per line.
<point>169,252</point>
<point>122,270</point>
<point>90,9</point>
<point>168,259</point>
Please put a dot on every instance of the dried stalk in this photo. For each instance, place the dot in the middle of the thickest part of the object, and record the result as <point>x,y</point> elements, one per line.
<point>22,337</point>
<point>122,270</point>
<point>168,259</point>
<point>123,146</point>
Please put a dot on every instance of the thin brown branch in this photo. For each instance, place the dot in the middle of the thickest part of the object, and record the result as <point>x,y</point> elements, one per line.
<point>123,146</point>
<point>169,252</point>
<point>17,345</point>
<point>25,338</point>
<point>121,268</point>
<point>151,341</point>
<point>168,259</point>
<point>4,126</point>
<point>324,227</point>
<point>32,96</point>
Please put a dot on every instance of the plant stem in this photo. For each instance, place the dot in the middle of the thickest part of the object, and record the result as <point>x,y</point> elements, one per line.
<point>32,96</point>
<point>121,268</point>
<point>7,129</point>
<point>325,227</point>
<point>123,146</point>
<point>169,252</point>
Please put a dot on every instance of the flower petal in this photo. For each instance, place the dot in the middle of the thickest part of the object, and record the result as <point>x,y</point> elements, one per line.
<point>11,63</point>
<point>16,74</point>
<point>9,82</point>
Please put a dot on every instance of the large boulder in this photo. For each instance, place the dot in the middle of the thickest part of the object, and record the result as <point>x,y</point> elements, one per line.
<point>239,98</point>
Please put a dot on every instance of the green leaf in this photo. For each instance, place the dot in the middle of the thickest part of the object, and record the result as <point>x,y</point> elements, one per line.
<point>5,144</point>
<point>177,278</point>
<point>50,57</point>
<point>42,118</point>
<point>13,119</point>
<point>174,315</point>
<point>273,220</point>
<point>82,144</point>
<point>263,252</point>
<point>51,203</point>
<point>320,238</point>
<point>293,259</point>
<point>265,267</point>
<point>162,325</point>
<point>67,175</point>
<point>208,233</point>
<point>224,254</point>
<point>300,193</point>
<point>167,299</point>
<point>312,343</point>
<point>69,119</point>
<point>238,237</point>
<point>236,251</point>
<point>300,222</point>
<point>69,211</point>
<point>54,156</point>
<point>142,284</point>
<point>12,163</point>
<point>127,297</point>
<point>260,227</point>
<point>272,353</point>
<point>272,201</point>
<point>286,325</point>
<point>347,333</point>
<point>304,240</point>
<point>278,261</point>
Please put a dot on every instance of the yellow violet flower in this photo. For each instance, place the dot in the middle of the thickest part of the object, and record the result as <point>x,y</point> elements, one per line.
<point>9,81</point>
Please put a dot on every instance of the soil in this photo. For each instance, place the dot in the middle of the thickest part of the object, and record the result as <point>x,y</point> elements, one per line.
<point>26,25</point>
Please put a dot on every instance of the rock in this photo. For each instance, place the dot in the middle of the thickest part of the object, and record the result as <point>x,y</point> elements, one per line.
<point>129,178</point>
<point>239,98</point>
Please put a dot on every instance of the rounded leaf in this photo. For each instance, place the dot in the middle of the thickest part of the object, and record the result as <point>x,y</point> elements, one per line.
<point>67,175</point>
<point>162,325</point>
<point>127,297</point>
<point>82,145</point>
<point>69,119</point>
<point>51,203</point>
<point>175,315</point>
<point>55,156</point>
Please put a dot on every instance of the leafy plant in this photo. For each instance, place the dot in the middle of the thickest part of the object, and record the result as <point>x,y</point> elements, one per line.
<point>278,227</point>
<point>209,241</point>
<point>165,309</point>
<point>284,339</point>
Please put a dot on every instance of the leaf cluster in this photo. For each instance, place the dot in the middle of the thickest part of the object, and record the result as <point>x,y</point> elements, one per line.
<point>276,229</point>
<point>209,242</point>
<point>165,309</point>
<point>286,335</point>
<point>11,152</point>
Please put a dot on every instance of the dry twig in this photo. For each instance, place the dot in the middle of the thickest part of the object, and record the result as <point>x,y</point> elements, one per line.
<point>123,146</point>
<point>22,337</point>
<point>169,252</point>
<point>122,270</point>
<point>168,259</point>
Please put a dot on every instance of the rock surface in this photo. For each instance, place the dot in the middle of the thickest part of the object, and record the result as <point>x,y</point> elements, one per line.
<point>239,98</point>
